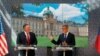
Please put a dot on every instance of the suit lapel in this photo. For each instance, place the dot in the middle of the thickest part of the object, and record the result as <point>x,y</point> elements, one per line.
<point>68,36</point>
<point>24,36</point>
<point>62,37</point>
<point>30,36</point>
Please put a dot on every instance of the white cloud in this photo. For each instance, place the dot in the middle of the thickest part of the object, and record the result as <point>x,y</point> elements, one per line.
<point>67,11</point>
<point>51,8</point>
<point>64,11</point>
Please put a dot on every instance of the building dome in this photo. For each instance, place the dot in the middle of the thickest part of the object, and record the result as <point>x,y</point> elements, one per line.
<point>48,12</point>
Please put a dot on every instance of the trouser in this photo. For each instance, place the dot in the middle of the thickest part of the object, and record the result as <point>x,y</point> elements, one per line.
<point>67,53</point>
<point>29,53</point>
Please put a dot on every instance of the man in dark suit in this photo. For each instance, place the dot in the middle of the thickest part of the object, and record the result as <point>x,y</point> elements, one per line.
<point>65,39</point>
<point>26,38</point>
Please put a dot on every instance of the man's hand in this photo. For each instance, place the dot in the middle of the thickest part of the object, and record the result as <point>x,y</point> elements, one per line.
<point>64,43</point>
<point>50,37</point>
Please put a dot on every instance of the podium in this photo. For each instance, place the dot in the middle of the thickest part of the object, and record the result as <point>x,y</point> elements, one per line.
<point>26,48</point>
<point>63,48</point>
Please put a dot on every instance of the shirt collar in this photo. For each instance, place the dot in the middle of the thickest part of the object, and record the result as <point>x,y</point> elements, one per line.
<point>25,33</point>
<point>67,33</point>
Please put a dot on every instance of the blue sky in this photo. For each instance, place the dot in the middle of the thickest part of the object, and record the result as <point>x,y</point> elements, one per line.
<point>38,9</point>
<point>69,12</point>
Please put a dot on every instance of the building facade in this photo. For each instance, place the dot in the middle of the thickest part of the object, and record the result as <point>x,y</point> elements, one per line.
<point>37,25</point>
<point>46,25</point>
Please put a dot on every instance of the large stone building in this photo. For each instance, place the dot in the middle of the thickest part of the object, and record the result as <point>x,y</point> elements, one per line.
<point>46,25</point>
<point>39,25</point>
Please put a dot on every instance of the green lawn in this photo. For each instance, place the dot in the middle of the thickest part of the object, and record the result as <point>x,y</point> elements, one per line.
<point>81,41</point>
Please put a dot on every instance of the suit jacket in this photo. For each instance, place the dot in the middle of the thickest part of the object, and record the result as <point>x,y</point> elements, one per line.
<point>21,40</point>
<point>70,40</point>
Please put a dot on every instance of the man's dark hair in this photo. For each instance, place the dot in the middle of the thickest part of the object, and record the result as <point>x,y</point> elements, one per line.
<point>65,26</point>
<point>25,25</point>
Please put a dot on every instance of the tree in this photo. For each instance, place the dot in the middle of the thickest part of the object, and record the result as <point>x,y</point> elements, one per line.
<point>17,10</point>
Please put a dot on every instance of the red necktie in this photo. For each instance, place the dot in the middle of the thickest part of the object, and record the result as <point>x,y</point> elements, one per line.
<point>28,38</point>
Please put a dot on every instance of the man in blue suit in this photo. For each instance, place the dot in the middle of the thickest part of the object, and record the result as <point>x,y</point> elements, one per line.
<point>65,39</point>
<point>26,38</point>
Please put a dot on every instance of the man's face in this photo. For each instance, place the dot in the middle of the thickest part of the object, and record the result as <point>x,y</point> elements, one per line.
<point>64,29</point>
<point>27,28</point>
